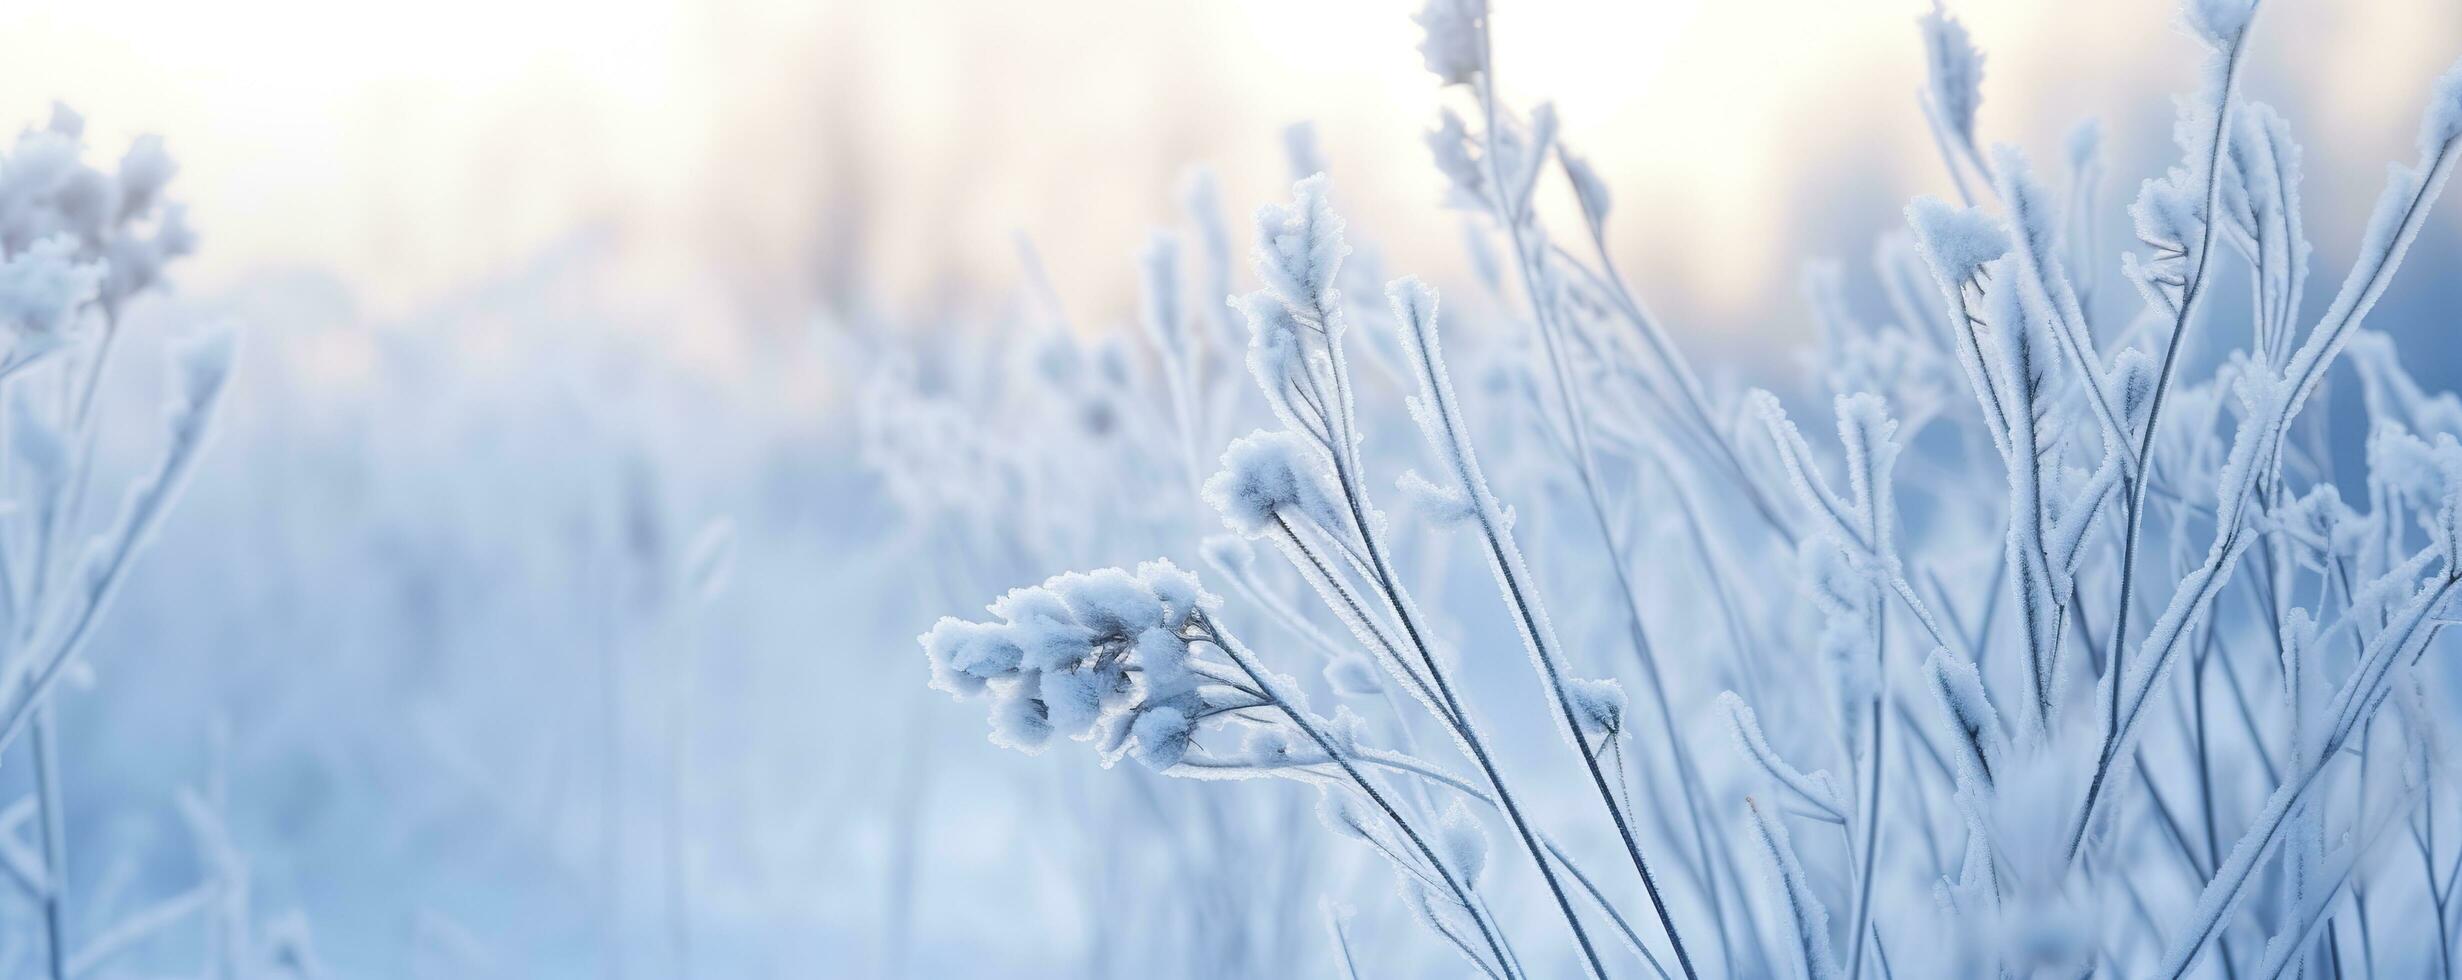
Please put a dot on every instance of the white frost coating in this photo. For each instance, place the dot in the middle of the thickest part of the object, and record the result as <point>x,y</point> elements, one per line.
<point>1860,523</point>
<point>2015,556</point>
<point>1109,601</point>
<point>1266,475</point>
<point>1162,737</point>
<point>1869,437</point>
<point>40,289</point>
<point>1814,788</point>
<point>1073,699</point>
<point>2357,701</point>
<point>1982,748</point>
<point>2448,526</point>
<point>1805,919</point>
<point>1597,703</point>
<point>2132,386</point>
<point>1440,506</point>
<point>1300,247</point>
<point>2441,125</point>
<point>1088,655</point>
<point>1165,658</point>
<point>2044,284</point>
<point>1955,241</point>
<point>1463,842</point>
<point>1181,594</point>
<point>1276,357</point>
<point>1953,70</point>
<point>1345,813</point>
<point>1440,422</point>
<point>2220,22</point>
<point>1018,721</point>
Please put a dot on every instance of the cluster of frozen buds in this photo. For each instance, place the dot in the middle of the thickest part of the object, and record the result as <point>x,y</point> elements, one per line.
<point>74,237</point>
<point>1105,656</point>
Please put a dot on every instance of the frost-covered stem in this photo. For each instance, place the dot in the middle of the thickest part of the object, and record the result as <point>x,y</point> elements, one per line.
<point>1468,733</point>
<point>1247,664</point>
<point>2359,295</point>
<point>145,511</point>
<point>2392,230</point>
<point>1444,419</point>
<point>1506,559</point>
<point>1597,897</point>
<point>1380,569</point>
<point>2133,519</point>
<point>71,508</point>
<point>1871,803</point>
<point>1949,156</point>
<point>1688,780</point>
<point>49,807</point>
<point>2299,934</point>
<point>1695,398</point>
<point>2360,698</point>
<point>2205,762</point>
<point>1350,603</point>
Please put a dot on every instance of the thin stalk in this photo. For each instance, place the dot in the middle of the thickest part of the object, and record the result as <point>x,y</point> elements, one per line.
<point>1511,573</point>
<point>50,807</point>
<point>1871,803</point>
<point>1239,655</point>
<point>2133,519</point>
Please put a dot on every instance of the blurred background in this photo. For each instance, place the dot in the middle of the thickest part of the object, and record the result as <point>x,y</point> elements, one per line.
<point>541,609</point>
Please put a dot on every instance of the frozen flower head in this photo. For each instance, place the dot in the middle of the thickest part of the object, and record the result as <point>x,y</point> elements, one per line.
<point>1163,736</point>
<point>1104,654</point>
<point>117,221</point>
<point>137,261</point>
<point>41,289</point>
<point>1270,477</point>
<point>1453,48</point>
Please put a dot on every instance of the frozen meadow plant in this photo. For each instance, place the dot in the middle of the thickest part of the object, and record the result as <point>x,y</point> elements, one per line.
<point>78,245</point>
<point>2063,647</point>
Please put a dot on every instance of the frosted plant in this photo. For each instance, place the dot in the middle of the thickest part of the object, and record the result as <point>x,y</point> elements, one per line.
<point>2062,648</point>
<point>78,244</point>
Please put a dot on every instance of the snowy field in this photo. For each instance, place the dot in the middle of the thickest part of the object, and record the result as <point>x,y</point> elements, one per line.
<point>1365,490</point>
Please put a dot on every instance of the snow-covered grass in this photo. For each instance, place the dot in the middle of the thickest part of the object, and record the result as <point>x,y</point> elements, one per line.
<point>2066,651</point>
